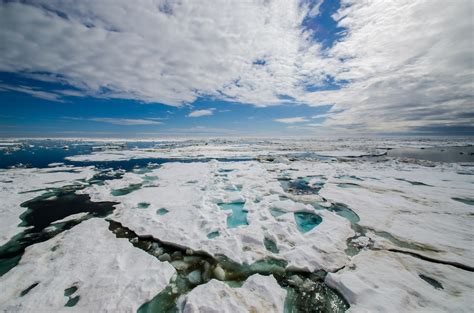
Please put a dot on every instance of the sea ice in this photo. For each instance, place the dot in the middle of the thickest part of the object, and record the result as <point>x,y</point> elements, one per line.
<point>22,184</point>
<point>381,281</point>
<point>87,265</point>
<point>422,213</point>
<point>395,234</point>
<point>192,192</point>
<point>258,294</point>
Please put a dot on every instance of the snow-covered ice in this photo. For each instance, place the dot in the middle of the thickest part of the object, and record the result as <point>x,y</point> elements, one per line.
<point>191,192</point>
<point>22,184</point>
<point>411,202</point>
<point>258,294</point>
<point>107,274</point>
<point>381,281</point>
<point>392,233</point>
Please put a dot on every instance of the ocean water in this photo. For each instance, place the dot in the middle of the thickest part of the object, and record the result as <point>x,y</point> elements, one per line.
<point>435,154</point>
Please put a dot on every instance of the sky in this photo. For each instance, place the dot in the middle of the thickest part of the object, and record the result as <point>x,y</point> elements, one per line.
<point>177,68</point>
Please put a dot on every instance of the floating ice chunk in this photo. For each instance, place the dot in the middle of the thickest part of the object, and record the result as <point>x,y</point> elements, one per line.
<point>55,164</point>
<point>219,273</point>
<point>165,257</point>
<point>72,217</point>
<point>258,294</point>
<point>194,277</point>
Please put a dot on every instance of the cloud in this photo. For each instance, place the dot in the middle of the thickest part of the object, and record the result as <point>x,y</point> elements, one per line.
<point>51,96</point>
<point>119,121</point>
<point>123,49</point>
<point>408,63</point>
<point>401,64</point>
<point>291,120</point>
<point>126,121</point>
<point>314,11</point>
<point>322,115</point>
<point>199,113</point>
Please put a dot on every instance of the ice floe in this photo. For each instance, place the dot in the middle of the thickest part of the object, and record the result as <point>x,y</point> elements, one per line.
<point>85,269</point>
<point>20,185</point>
<point>191,194</point>
<point>381,281</point>
<point>258,294</point>
<point>412,203</point>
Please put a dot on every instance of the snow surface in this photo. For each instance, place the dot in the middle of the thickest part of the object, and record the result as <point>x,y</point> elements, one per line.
<point>381,281</point>
<point>191,193</point>
<point>22,184</point>
<point>109,273</point>
<point>258,294</point>
<point>386,201</point>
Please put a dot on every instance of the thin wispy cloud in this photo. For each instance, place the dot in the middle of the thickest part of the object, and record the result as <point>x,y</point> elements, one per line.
<point>51,96</point>
<point>126,121</point>
<point>291,120</point>
<point>119,121</point>
<point>322,115</point>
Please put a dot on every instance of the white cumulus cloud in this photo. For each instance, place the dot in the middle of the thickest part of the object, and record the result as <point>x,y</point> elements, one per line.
<point>199,113</point>
<point>163,51</point>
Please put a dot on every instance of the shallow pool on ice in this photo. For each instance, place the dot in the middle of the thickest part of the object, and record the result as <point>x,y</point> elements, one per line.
<point>238,216</point>
<point>341,210</point>
<point>162,211</point>
<point>306,221</point>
